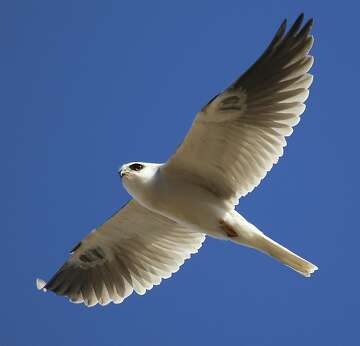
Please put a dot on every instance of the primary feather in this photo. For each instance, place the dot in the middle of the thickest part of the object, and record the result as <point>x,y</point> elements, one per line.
<point>132,251</point>
<point>237,138</point>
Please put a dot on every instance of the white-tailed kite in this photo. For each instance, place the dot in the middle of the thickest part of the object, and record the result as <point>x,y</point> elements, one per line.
<point>233,142</point>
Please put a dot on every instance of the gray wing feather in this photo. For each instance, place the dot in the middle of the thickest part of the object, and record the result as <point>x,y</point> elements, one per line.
<point>132,251</point>
<point>240,134</point>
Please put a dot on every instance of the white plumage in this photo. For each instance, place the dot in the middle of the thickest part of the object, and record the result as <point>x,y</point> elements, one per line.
<point>234,141</point>
<point>119,258</point>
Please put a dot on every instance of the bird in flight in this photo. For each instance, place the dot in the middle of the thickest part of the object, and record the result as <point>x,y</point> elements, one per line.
<point>234,141</point>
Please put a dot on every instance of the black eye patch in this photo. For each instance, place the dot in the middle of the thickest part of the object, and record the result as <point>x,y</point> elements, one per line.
<point>136,167</point>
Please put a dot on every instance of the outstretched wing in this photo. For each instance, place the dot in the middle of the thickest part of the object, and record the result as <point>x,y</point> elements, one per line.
<point>240,134</point>
<point>132,251</point>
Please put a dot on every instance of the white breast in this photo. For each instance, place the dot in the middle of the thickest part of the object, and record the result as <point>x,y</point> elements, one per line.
<point>184,202</point>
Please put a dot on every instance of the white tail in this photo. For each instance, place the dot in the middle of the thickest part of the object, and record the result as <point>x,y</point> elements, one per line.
<point>249,235</point>
<point>285,256</point>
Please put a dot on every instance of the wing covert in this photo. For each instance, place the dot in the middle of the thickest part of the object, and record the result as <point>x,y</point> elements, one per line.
<point>240,134</point>
<point>132,251</point>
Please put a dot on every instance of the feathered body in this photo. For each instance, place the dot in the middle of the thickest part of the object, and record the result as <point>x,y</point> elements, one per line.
<point>199,209</point>
<point>233,142</point>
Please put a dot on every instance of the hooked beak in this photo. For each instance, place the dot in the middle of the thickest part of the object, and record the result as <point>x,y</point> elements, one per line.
<point>123,172</point>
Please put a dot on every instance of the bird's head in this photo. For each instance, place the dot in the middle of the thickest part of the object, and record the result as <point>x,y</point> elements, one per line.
<point>136,175</point>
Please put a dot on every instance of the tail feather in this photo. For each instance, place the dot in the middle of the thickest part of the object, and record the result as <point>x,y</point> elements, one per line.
<point>285,256</point>
<point>249,235</point>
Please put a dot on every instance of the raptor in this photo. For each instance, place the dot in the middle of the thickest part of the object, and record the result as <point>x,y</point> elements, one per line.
<point>234,141</point>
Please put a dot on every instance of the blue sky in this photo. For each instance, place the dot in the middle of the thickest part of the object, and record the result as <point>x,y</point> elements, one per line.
<point>89,85</point>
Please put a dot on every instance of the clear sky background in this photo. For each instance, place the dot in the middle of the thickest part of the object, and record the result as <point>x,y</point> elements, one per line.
<point>89,85</point>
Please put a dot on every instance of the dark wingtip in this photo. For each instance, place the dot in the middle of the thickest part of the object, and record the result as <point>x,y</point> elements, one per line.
<point>306,28</point>
<point>283,25</point>
<point>297,24</point>
<point>299,19</point>
<point>310,23</point>
<point>280,32</point>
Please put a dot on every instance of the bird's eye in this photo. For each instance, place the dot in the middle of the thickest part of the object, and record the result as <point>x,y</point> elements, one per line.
<point>136,167</point>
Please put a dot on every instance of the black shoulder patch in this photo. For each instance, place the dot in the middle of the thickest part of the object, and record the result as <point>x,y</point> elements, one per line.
<point>76,247</point>
<point>204,108</point>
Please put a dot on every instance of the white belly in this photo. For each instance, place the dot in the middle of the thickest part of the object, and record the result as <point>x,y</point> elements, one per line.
<point>181,201</point>
<point>187,204</point>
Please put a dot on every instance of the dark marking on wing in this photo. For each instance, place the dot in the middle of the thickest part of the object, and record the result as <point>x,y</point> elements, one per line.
<point>230,100</point>
<point>93,255</point>
<point>98,252</point>
<point>85,258</point>
<point>231,103</point>
<point>234,109</point>
<point>206,106</point>
<point>76,247</point>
